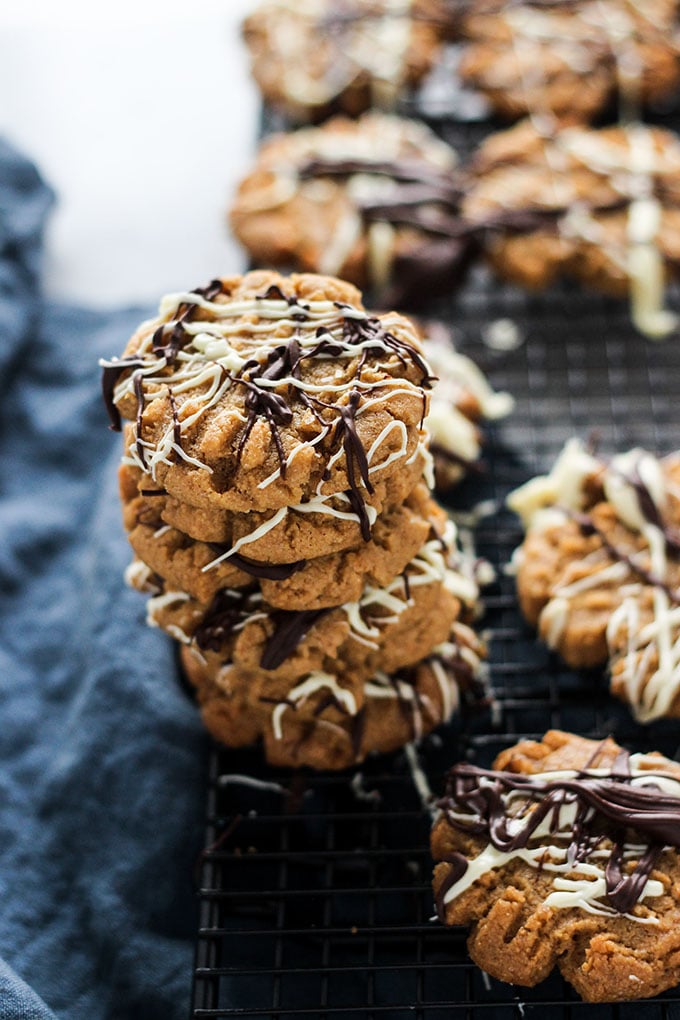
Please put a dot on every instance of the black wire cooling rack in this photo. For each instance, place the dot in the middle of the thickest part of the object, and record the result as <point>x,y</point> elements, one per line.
<point>315,897</point>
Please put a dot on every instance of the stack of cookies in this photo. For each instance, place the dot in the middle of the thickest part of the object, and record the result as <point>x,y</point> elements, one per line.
<point>276,491</point>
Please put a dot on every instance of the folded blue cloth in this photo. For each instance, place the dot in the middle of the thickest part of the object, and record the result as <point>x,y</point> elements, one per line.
<point>102,756</point>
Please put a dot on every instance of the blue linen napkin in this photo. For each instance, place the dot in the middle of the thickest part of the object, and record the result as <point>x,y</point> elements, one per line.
<point>102,756</point>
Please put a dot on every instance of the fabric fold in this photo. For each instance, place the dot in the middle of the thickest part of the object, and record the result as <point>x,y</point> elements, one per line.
<point>102,757</point>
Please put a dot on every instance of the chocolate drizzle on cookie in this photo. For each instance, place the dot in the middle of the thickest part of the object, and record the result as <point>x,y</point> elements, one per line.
<point>355,457</point>
<point>419,182</point>
<point>631,506</point>
<point>138,384</point>
<point>228,610</point>
<point>563,820</point>
<point>588,527</point>
<point>263,404</point>
<point>278,379</point>
<point>420,196</point>
<point>648,506</point>
<point>264,571</point>
<point>170,338</point>
<point>111,373</point>
<point>290,628</point>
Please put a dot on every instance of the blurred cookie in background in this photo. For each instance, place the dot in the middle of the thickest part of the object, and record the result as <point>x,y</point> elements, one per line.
<point>311,58</point>
<point>373,201</point>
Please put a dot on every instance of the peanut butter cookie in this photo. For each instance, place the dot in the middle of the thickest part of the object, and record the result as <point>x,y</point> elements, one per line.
<point>565,854</point>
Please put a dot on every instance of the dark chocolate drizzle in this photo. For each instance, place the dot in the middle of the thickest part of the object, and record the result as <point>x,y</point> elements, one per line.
<point>421,197</point>
<point>227,611</point>
<point>651,514</point>
<point>430,185</point>
<point>609,809</point>
<point>170,338</point>
<point>290,628</point>
<point>267,571</point>
<point>110,376</point>
<point>649,509</point>
<point>371,333</point>
<point>274,293</point>
<point>355,455</point>
<point>588,527</point>
<point>231,609</point>
<point>265,403</point>
<point>166,343</point>
<point>368,335</point>
<point>138,384</point>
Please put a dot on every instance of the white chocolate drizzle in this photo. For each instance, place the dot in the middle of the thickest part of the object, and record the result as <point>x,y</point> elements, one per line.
<point>634,170</point>
<point>457,378</point>
<point>316,681</point>
<point>576,882</point>
<point>645,649</point>
<point>369,40</point>
<point>563,487</point>
<point>195,376</point>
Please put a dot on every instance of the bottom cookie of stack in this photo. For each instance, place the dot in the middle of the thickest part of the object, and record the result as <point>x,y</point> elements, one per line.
<point>324,721</point>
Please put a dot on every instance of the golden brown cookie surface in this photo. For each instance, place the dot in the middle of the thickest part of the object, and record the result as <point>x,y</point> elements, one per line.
<point>599,571</point>
<point>262,392</point>
<point>316,528</point>
<point>566,854</point>
<point>384,629</point>
<point>326,720</point>
<point>601,206</point>
<point>570,59</point>
<point>310,57</point>
<point>367,200</point>
<point>202,569</point>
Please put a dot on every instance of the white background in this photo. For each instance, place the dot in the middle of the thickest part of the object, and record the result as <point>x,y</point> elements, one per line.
<point>142,117</point>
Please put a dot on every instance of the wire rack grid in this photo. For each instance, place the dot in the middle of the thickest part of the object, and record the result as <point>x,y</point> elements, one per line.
<point>315,896</point>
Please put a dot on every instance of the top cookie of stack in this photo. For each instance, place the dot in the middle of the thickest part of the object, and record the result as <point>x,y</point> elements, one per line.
<point>203,384</point>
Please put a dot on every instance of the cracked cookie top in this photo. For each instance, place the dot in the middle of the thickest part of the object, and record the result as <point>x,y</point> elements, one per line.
<point>262,392</point>
<point>565,853</point>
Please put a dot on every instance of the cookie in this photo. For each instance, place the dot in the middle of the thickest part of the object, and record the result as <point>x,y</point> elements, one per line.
<point>370,201</point>
<point>324,721</point>
<point>202,569</point>
<point>386,628</point>
<point>601,206</point>
<point>565,854</point>
<point>315,528</point>
<point>572,59</point>
<point>310,58</point>
<point>599,570</point>
<point>260,393</point>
